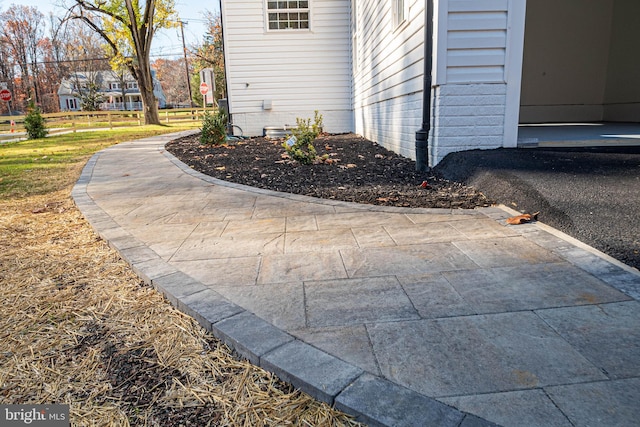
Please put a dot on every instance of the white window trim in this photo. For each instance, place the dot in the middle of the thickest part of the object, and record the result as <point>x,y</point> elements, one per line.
<point>286,30</point>
<point>397,22</point>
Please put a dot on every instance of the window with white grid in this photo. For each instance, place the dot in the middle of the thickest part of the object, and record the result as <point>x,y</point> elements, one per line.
<point>288,15</point>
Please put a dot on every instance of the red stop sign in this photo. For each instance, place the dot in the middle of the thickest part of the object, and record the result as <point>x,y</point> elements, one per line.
<point>5,95</point>
<point>204,88</point>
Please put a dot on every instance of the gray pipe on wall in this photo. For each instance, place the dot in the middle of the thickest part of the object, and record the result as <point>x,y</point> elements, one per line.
<point>422,136</point>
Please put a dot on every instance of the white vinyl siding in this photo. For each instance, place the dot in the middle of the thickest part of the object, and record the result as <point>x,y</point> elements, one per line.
<point>361,64</point>
<point>472,41</point>
<point>297,71</point>
<point>478,51</point>
<point>388,79</point>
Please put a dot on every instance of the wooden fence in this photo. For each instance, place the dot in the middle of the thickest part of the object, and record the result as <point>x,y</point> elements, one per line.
<point>75,120</point>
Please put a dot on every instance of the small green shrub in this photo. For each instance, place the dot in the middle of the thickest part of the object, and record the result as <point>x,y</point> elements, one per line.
<point>300,146</point>
<point>34,123</point>
<point>214,128</point>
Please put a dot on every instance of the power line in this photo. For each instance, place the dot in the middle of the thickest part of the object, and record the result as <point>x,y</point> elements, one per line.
<point>62,61</point>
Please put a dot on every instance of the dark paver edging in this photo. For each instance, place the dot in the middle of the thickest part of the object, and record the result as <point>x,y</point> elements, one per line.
<point>370,399</point>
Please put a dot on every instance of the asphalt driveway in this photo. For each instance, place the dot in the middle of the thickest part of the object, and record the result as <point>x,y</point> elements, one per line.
<point>591,194</point>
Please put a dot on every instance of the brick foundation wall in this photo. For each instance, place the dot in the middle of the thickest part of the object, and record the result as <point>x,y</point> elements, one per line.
<point>466,117</point>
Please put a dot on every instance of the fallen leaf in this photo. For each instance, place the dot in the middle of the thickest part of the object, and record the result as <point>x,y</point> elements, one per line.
<point>521,219</point>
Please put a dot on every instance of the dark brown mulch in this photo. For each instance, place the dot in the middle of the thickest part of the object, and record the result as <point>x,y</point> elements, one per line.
<point>358,170</point>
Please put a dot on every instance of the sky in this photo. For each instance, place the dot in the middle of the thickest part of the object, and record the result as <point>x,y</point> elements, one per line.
<point>167,43</point>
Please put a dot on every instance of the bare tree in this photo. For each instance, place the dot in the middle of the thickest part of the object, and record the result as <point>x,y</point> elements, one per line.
<point>171,74</point>
<point>85,59</point>
<point>7,71</point>
<point>22,29</point>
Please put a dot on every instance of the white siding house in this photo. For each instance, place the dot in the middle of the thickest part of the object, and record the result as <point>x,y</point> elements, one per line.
<point>115,92</point>
<point>283,63</point>
<point>388,72</point>
<point>477,72</point>
<point>361,63</point>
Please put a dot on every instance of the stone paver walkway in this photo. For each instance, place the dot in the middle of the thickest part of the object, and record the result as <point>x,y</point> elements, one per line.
<point>400,316</point>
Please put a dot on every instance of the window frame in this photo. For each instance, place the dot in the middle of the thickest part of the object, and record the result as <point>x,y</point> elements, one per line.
<point>399,13</point>
<point>287,10</point>
<point>72,104</point>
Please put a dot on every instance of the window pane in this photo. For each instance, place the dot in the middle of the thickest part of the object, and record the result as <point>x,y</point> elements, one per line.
<point>279,19</point>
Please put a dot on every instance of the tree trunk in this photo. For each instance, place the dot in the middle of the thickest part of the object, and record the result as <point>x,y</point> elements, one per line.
<point>145,84</point>
<point>150,106</point>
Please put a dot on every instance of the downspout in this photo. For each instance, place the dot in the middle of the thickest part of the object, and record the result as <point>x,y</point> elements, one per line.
<point>422,136</point>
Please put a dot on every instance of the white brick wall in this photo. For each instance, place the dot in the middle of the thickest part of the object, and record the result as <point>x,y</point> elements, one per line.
<point>392,123</point>
<point>467,117</point>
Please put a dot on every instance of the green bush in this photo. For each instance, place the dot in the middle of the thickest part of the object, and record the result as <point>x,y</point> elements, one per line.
<point>214,128</point>
<point>34,123</point>
<point>300,146</point>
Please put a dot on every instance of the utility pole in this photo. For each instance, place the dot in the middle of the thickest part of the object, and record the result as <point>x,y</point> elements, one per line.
<point>186,64</point>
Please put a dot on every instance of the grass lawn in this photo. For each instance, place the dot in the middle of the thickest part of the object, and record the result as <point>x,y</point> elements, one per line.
<point>78,327</point>
<point>39,166</point>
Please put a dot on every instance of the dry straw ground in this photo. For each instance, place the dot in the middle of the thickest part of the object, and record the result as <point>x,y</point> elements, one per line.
<point>78,327</point>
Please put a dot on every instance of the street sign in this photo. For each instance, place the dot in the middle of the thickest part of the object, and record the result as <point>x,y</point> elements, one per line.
<point>5,95</point>
<point>204,88</point>
<point>207,78</point>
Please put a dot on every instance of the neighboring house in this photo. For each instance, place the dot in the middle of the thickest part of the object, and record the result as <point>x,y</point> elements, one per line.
<point>114,91</point>
<point>491,64</point>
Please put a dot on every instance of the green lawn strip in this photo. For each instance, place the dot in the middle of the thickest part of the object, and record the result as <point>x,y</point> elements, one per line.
<point>49,164</point>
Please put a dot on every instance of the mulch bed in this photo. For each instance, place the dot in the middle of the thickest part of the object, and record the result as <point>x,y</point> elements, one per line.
<point>356,170</point>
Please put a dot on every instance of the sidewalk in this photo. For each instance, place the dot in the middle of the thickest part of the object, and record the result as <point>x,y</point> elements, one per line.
<point>403,317</point>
